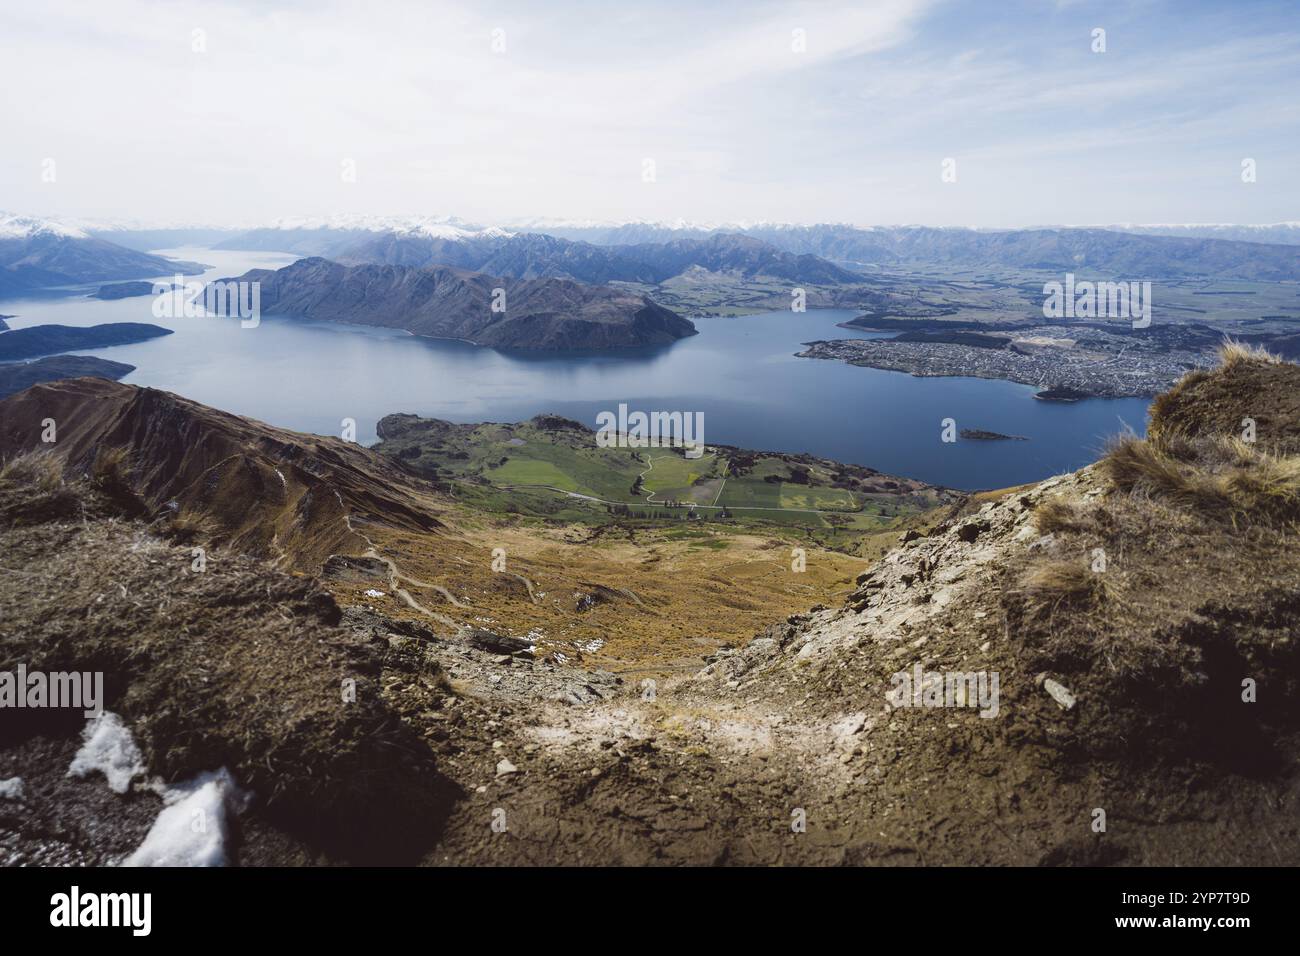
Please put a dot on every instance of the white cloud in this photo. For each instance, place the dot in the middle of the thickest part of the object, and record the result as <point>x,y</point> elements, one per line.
<point>738,124</point>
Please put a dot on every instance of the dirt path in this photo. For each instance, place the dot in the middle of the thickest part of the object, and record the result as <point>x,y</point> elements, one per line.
<point>395,574</point>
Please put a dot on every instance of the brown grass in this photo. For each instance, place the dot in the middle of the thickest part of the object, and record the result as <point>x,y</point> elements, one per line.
<point>111,476</point>
<point>33,490</point>
<point>1233,353</point>
<point>39,470</point>
<point>186,526</point>
<point>1219,478</point>
<point>1069,582</point>
<point>1056,514</point>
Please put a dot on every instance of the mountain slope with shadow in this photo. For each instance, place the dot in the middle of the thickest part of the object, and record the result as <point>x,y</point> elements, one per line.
<point>265,491</point>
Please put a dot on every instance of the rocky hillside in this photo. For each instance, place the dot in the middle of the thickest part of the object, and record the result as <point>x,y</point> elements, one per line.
<point>234,666</point>
<point>1141,617</point>
<point>450,303</point>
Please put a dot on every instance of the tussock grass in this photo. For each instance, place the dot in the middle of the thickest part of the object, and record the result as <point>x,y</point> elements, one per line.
<point>40,471</point>
<point>1063,582</point>
<point>1221,478</point>
<point>33,490</point>
<point>187,526</point>
<point>110,475</point>
<point>1233,352</point>
<point>1056,514</point>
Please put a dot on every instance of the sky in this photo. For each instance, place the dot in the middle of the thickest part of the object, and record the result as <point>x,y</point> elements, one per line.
<point>239,113</point>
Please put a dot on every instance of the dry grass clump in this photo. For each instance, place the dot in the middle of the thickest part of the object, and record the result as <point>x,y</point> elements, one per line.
<point>1063,583</point>
<point>184,526</point>
<point>1220,478</point>
<point>1232,353</point>
<point>41,471</point>
<point>111,476</point>
<point>33,490</point>
<point>1057,515</point>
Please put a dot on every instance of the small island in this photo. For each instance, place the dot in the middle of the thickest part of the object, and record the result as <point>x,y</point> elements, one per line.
<point>1060,393</point>
<point>979,434</point>
<point>125,290</point>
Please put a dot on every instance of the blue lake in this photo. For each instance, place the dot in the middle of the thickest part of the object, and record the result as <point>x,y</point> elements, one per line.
<point>740,372</point>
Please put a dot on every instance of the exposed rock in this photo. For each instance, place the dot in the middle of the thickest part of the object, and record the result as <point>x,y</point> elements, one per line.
<point>495,643</point>
<point>1059,693</point>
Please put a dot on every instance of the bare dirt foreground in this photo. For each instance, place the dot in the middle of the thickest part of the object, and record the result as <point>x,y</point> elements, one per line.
<point>1139,619</point>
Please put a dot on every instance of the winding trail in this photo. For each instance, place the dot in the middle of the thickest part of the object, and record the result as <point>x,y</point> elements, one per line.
<point>527,583</point>
<point>395,574</point>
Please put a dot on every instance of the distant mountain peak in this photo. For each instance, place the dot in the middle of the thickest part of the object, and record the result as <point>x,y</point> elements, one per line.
<point>13,226</point>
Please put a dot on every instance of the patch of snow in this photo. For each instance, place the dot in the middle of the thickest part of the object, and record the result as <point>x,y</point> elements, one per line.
<point>107,746</point>
<point>194,825</point>
<point>11,789</point>
<point>372,593</point>
<point>24,227</point>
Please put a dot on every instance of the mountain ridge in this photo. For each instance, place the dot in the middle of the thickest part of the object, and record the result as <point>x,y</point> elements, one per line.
<point>443,302</point>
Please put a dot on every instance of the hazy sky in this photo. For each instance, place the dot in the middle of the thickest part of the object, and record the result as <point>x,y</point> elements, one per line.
<point>254,117</point>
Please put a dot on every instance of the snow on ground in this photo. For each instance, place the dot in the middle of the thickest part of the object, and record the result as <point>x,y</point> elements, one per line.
<point>11,789</point>
<point>109,748</point>
<point>194,825</point>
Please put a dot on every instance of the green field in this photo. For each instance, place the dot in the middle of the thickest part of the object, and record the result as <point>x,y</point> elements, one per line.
<point>551,469</point>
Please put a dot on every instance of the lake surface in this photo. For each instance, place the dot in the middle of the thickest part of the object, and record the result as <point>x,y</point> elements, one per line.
<point>740,372</point>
